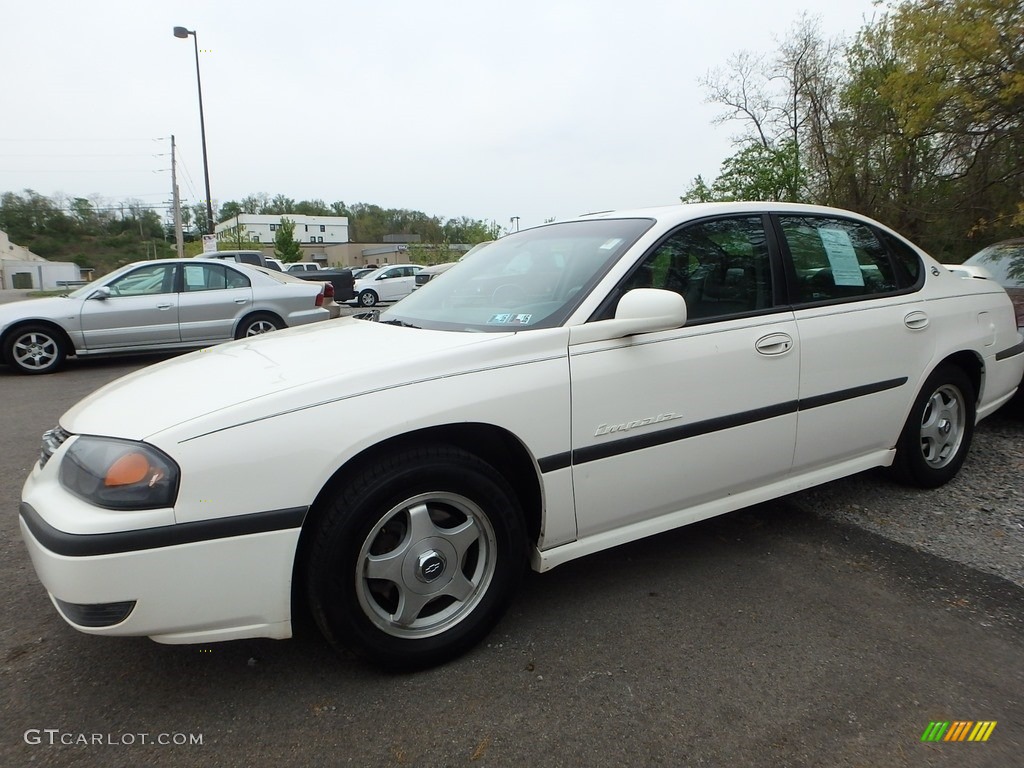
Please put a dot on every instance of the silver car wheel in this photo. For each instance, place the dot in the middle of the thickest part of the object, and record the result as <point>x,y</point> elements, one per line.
<point>942,426</point>
<point>260,326</point>
<point>35,351</point>
<point>425,565</point>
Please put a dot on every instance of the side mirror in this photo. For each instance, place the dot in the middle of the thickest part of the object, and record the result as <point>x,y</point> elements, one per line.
<point>642,310</point>
<point>101,293</point>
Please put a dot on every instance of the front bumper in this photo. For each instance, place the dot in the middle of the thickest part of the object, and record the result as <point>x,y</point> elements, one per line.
<point>223,580</point>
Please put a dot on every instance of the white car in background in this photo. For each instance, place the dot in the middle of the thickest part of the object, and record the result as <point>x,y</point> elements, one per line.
<point>390,283</point>
<point>567,389</point>
<point>148,306</point>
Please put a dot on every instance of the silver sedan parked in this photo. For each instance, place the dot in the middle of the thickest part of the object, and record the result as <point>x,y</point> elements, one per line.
<point>167,304</point>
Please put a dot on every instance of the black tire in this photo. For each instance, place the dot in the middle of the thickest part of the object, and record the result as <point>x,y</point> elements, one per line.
<point>367,298</point>
<point>444,535</point>
<point>258,324</point>
<point>938,432</point>
<point>35,349</point>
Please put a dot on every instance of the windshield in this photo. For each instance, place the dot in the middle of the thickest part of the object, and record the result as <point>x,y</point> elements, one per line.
<point>87,290</point>
<point>1004,261</point>
<point>530,279</point>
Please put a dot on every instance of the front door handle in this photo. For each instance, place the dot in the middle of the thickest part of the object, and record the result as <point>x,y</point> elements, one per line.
<point>774,344</point>
<point>164,306</point>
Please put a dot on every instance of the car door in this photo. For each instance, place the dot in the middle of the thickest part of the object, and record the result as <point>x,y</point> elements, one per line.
<point>865,337</point>
<point>141,310</point>
<point>389,285</point>
<point>667,421</point>
<point>214,296</point>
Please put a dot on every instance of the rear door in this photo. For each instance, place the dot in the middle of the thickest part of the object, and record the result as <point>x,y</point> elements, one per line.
<point>865,335</point>
<point>214,296</point>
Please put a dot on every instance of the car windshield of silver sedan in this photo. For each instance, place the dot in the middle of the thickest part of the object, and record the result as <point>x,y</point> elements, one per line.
<point>85,291</point>
<point>529,279</point>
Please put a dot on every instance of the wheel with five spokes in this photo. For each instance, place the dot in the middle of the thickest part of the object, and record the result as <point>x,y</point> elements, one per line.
<point>938,432</point>
<point>417,557</point>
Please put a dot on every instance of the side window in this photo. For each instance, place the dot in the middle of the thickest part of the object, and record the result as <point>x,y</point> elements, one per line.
<point>836,259</point>
<point>235,279</point>
<point>204,277</point>
<point>145,281</point>
<point>720,267</point>
<point>905,261</point>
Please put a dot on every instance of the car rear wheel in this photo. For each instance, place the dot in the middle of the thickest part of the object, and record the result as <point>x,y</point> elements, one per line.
<point>417,558</point>
<point>254,325</point>
<point>35,349</point>
<point>367,298</point>
<point>938,433</point>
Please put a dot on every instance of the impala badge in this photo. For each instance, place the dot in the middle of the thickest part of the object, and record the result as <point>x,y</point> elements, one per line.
<point>607,429</point>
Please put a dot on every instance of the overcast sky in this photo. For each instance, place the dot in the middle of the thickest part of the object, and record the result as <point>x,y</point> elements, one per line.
<point>536,109</point>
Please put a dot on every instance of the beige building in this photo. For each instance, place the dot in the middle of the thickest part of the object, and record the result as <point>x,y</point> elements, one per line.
<point>20,268</point>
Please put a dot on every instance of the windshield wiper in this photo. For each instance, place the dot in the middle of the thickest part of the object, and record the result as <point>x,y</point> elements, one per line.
<point>400,323</point>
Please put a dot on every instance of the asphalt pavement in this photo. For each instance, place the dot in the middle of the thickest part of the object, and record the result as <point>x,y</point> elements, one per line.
<point>762,638</point>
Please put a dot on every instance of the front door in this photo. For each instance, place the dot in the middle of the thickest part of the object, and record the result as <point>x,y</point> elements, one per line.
<point>666,421</point>
<point>141,311</point>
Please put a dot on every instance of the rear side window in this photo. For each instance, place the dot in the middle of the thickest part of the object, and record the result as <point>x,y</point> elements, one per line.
<point>905,261</point>
<point>837,259</point>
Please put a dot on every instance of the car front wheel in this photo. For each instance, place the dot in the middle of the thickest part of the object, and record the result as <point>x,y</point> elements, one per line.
<point>417,558</point>
<point>938,433</point>
<point>35,349</point>
<point>367,298</point>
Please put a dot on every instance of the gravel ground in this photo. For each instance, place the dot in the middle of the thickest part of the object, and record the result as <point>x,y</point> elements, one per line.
<point>977,519</point>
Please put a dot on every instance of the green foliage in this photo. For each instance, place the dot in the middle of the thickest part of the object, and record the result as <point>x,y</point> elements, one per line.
<point>756,172</point>
<point>285,246</point>
<point>367,223</point>
<point>236,239</point>
<point>919,122</point>
<point>90,232</point>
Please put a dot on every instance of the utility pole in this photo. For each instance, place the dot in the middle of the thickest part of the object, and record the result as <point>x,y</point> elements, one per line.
<point>178,239</point>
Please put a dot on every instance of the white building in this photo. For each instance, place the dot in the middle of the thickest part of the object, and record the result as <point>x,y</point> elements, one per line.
<point>20,268</point>
<point>318,230</point>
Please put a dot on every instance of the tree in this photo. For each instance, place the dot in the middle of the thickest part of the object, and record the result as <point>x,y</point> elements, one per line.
<point>285,246</point>
<point>756,172</point>
<point>237,238</point>
<point>785,107</point>
<point>919,122</point>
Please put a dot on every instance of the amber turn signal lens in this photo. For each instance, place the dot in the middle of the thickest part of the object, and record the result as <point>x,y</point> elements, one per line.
<point>129,469</point>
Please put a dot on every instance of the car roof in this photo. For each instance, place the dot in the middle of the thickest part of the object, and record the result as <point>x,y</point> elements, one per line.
<point>689,211</point>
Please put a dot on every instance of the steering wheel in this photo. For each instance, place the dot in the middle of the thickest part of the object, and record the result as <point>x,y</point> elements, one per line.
<point>508,295</point>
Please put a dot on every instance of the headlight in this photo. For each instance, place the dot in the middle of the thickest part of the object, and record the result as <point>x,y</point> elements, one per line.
<point>119,474</point>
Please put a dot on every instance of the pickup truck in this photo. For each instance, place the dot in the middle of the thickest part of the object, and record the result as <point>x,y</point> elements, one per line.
<point>304,266</point>
<point>341,279</point>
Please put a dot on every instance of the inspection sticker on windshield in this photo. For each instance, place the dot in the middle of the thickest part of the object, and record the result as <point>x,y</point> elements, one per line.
<point>509,319</point>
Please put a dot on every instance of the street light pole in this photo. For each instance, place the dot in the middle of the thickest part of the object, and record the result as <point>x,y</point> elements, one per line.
<point>183,33</point>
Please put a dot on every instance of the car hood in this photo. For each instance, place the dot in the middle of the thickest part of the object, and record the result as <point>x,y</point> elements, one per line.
<point>51,308</point>
<point>227,384</point>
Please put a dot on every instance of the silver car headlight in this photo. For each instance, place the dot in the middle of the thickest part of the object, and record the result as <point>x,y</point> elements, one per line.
<point>119,474</point>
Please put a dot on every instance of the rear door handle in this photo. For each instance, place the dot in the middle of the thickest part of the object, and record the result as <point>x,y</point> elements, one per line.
<point>241,301</point>
<point>916,320</point>
<point>774,344</point>
<point>164,306</point>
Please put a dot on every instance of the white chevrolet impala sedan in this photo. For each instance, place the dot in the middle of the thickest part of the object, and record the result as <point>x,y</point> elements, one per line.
<point>566,389</point>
